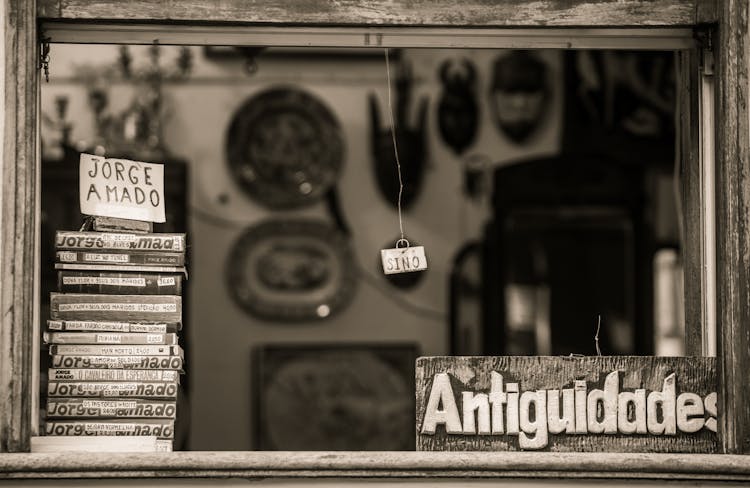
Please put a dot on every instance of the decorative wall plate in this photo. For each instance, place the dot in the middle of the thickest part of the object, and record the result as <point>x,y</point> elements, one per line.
<point>285,147</point>
<point>292,270</point>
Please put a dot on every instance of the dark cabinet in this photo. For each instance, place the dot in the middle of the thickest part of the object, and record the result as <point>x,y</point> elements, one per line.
<point>567,260</point>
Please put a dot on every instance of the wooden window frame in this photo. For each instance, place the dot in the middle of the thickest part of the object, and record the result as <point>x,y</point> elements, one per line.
<point>380,23</point>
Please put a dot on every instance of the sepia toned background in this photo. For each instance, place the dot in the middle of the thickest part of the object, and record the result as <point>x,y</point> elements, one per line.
<point>220,336</point>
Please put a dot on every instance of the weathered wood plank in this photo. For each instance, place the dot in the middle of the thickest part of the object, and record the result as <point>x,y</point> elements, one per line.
<point>733,223</point>
<point>706,12</point>
<point>601,13</point>
<point>17,222</point>
<point>413,465</point>
<point>376,37</point>
<point>567,404</point>
<point>689,148</point>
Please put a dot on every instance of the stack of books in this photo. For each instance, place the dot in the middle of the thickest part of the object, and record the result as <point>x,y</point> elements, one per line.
<point>113,340</point>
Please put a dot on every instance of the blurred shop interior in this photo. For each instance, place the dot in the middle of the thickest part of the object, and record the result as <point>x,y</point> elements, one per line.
<point>542,184</point>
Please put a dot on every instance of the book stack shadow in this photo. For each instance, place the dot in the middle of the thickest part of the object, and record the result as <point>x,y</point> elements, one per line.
<point>112,336</point>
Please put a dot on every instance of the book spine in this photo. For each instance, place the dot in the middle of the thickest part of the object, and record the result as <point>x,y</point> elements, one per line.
<point>126,338</point>
<point>108,283</point>
<point>114,350</point>
<point>126,258</point>
<point>119,268</point>
<point>117,362</point>
<point>72,240</point>
<point>88,408</point>
<point>66,444</point>
<point>99,389</point>
<point>108,224</point>
<point>130,308</point>
<point>65,374</point>
<point>103,326</point>
<point>161,428</point>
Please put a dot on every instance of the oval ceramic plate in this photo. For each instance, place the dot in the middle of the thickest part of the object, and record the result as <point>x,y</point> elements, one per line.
<point>285,147</point>
<point>292,270</point>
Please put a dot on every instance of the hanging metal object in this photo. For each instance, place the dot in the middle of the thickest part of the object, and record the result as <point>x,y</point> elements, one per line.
<point>250,55</point>
<point>458,114</point>
<point>44,57</point>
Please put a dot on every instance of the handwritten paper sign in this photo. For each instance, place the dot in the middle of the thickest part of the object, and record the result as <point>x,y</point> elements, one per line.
<point>588,404</point>
<point>403,259</point>
<point>121,188</point>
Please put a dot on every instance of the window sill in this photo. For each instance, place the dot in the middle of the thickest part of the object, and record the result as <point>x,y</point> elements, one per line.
<point>256,464</point>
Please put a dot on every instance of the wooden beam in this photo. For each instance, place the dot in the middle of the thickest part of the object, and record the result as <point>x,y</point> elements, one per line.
<point>600,13</point>
<point>733,223</point>
<point>459,466</point>
<point>18,222</point>
<point>688,96</point>
<point>662,39</point>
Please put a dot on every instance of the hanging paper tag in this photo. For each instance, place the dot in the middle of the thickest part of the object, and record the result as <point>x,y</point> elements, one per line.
<point>403,259</point>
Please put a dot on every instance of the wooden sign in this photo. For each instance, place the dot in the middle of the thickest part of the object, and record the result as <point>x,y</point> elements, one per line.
<point>403,259</point>
<point>121,188</point>
<point>582,404</point>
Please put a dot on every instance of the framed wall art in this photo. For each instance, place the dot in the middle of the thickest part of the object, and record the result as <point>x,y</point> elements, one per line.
<point>327,397</point>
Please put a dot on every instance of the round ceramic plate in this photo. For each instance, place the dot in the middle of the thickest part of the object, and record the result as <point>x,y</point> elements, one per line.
<point>285,147</point>
<point>292,270</point>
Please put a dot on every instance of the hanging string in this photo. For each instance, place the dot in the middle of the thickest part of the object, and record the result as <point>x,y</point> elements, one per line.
<point>402,240</point>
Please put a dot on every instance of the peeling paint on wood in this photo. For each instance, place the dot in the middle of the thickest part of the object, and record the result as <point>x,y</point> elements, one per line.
<point>733,222</point>
<point>706,12</point>
<point>600,13</point>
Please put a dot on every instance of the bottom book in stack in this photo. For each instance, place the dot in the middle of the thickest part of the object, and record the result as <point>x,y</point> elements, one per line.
<point>53,443</point>
<point>112,384</point>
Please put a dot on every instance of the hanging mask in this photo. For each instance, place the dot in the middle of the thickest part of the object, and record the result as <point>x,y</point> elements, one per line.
<point>410,141</point>
<point>518,94</point>
<point>457,110</point>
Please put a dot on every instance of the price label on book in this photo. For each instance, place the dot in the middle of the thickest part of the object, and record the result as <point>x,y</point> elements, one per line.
<point>121,188</point>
